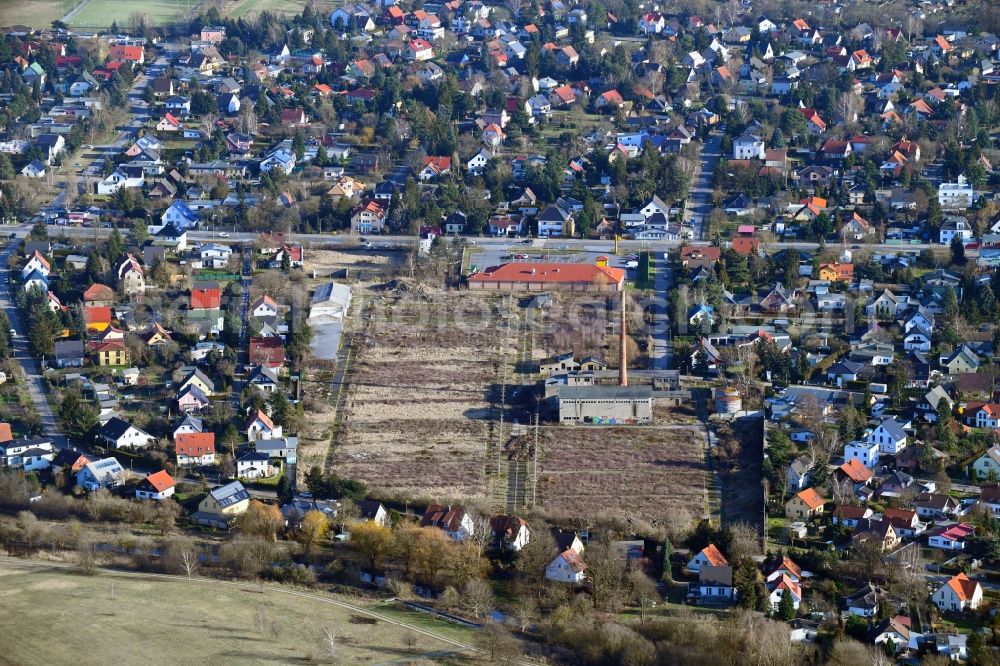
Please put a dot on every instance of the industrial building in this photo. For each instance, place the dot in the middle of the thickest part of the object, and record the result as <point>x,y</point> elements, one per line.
<point>610,405</point>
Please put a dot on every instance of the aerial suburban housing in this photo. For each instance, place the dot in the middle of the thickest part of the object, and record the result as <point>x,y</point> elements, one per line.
<point>474,331</point>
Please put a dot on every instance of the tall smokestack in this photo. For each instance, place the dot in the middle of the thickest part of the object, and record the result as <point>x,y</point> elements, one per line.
<point>622,353</point>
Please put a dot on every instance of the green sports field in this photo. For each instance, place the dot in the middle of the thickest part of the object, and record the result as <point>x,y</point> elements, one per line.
<point>283,7</point>
<point>100,13</point>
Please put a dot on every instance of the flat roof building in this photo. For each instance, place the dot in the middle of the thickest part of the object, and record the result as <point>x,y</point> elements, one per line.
<point>605,405</point>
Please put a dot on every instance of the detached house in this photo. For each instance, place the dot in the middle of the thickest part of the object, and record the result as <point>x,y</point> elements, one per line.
<point>889,436</point>
<point>222,506</point>
<point>709,556</point>
<point>157,486</point>
<point>509,533</point>
<point>103,473</point>
<point>118,433</point>
<point>260,426</point>
<point>455,521</point>
<point>959,593</point>
<point>567,567</point>
<point>804,505</point>
<point>195,448</point>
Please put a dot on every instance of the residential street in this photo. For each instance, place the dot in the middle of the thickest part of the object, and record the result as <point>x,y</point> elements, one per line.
<point>30,367</point>
<point>699,201</point>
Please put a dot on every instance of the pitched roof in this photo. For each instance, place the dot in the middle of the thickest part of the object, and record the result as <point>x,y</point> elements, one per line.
<point>205,296</point>
<point>229,494</point>
<point>263,418</point>
<point>893,427</point>
<point>114,428</point>
<point>97,314</point>
<point>160,481</point>
<point>811,498</point>
<point>573,559</point>
<point>438,515</point>
<point>714,556</point>
<point>195,444</point>
<point>5,433</point>
<point>855,471</point>
<point>963,588</point>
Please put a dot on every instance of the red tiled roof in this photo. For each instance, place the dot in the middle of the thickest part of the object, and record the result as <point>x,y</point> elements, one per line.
<point>963,588</point>
<point>126,52</point>
<point>714,556</point>
<point>5,433</point>
<point>811,498</point>
<point>97,314</point>
<point>206,298</point>
<point>160,481</point>
<point>549,272</point>
<point>855,471</point>
<point>194,444</point>
<point>573,559</point>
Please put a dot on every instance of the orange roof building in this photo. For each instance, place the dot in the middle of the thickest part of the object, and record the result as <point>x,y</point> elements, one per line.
<point>709,556</point>
<point>538,276</point>
<point>855,471</point>
<point>805,505</point>
<point>156,486</point>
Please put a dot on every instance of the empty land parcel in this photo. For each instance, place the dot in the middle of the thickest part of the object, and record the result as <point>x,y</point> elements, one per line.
<point>640,472</point>
<point>33,13</point>
<point>418,412</point>
<point>198,622</point>
<point>418,417</point>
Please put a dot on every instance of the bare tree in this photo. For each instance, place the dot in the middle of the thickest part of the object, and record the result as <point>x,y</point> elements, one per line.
<point>848,106</point>
<point>477,597</point>
<point>86,555</point>
<point>329,642</point>
<point>248,117</point>
<point>842,491</point>
<point>274,630</point>
<point>497,642</point>
<point>744,541</point>
<point>189,561</point>
<point>913,25</point>
<point>260,619</point>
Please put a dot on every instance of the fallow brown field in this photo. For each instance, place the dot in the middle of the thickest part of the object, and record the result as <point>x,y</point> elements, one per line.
<point>417,415</point>
<point>626,472</point>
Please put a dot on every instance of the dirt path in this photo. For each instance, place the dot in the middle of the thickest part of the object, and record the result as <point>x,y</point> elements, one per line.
<point>71,14</point>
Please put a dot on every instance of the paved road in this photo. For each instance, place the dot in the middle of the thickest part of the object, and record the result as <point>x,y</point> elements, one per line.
<point>662,353</point>
<point>699,201</point>
<point>30,367</point>
<point>406,242</point>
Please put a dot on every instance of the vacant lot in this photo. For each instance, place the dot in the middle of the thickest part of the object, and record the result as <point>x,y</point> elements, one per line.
<point>416,419</point>
<point>100,13</point>
<point>639,472</point>
<point>195,623</point>
<point>34,14</point>
<point>320,393</point>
